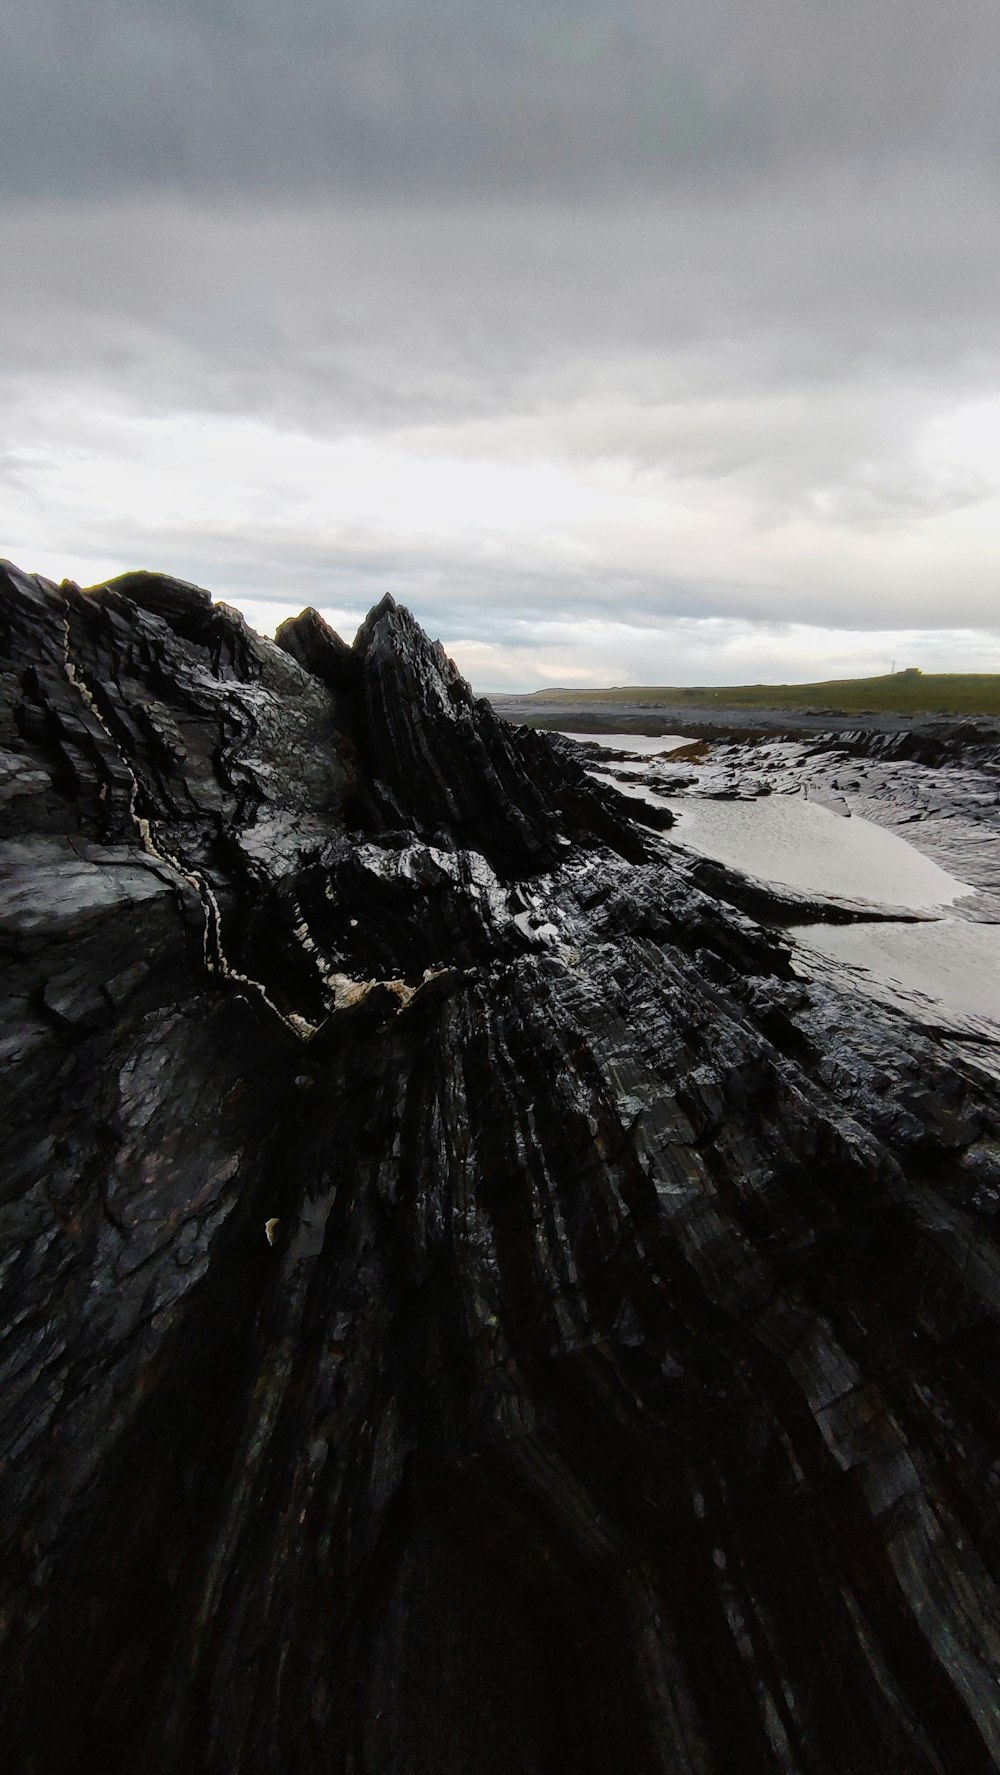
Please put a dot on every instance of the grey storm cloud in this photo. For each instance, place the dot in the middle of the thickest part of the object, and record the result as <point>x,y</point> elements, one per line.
<point>560,97</point>
<point>749,244</point>
<point>413,311</point>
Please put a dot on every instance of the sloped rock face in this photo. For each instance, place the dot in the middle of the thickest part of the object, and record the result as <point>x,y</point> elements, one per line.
<point>614,1384</point>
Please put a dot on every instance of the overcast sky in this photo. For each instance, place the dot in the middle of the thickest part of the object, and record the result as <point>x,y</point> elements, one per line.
<point>649,342</point>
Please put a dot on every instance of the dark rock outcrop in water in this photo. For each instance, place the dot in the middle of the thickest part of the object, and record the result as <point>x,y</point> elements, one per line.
<point>466,1308</point>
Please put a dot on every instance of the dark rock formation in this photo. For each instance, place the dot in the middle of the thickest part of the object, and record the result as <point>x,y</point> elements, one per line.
<point>466,1309</point>
<point>960,741</point>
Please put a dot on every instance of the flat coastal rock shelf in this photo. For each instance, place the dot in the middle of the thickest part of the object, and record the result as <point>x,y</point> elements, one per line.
<point>467,1307</point>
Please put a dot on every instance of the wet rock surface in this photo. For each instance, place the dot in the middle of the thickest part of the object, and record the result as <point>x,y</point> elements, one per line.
<point>465,1306</point>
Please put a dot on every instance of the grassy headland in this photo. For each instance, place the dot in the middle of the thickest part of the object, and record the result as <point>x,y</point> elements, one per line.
<point>896,693</point>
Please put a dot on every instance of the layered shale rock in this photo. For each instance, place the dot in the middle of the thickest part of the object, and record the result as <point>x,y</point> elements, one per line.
<point>466,1308</point>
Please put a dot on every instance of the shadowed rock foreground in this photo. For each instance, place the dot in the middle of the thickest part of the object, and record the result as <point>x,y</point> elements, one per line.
<point>615,1387</point>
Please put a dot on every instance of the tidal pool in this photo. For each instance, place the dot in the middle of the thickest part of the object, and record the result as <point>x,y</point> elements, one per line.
<point>799,844</point>
<point>792,842</point>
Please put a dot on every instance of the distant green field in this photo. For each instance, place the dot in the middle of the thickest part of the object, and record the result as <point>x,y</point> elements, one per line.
<point>903,693</point>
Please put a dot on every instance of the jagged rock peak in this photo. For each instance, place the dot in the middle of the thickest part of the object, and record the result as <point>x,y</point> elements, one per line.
<point>440,757</point>
<point>309,639</point>
<point>161,593</point>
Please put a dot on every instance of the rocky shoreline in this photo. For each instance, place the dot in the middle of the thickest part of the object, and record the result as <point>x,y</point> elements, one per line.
<point>938,783</point>
<point>936,787</point>
<point>465,1304</point>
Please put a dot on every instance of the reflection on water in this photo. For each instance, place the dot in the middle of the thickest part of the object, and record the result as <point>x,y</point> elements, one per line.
<point>639,743</point>
<point>799,844</point>
<point>949,960</point>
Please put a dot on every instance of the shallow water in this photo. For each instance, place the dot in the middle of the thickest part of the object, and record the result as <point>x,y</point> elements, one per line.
<point>950,960</point>
<point>799,844</point>
<point>639,743</point>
